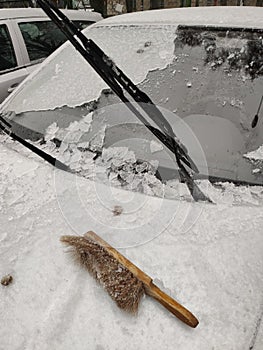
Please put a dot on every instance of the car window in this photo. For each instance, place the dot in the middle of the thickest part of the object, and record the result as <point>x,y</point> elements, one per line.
<point>7,54</point>
<point>43,37</point>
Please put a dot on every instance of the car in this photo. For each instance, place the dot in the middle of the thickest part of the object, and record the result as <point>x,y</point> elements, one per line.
<point>202,69</point>
<point>27,37</point>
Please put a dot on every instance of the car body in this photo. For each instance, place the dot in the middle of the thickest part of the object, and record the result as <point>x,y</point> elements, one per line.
<point>27,38</point>
<point>206,255</point>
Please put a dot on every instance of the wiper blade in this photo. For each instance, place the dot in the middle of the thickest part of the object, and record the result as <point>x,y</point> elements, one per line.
<point>256,117</point>
<point>6,128</point>
<point>118,82</point>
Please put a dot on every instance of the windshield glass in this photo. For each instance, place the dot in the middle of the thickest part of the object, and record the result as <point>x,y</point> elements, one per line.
<point>208,83</point>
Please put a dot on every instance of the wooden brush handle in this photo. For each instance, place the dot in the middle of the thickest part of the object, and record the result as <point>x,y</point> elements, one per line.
<point>151,289</point>
<point>170,304</point>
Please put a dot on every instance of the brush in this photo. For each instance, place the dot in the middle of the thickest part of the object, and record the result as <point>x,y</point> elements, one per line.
<point>124,282</point>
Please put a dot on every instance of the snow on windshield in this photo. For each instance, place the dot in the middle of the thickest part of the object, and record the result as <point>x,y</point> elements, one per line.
<point>68,80</point>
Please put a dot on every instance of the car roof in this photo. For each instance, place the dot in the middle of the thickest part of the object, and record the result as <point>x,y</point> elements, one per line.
<point>16,13</point>
<point>223,16</point>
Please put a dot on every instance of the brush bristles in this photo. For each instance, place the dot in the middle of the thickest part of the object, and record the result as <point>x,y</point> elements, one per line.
<point>123,287</point>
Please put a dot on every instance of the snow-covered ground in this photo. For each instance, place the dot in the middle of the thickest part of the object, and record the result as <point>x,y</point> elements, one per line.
<point>207,256</point>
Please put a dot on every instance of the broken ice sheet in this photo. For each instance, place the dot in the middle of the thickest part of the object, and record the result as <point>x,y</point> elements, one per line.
<point>255,155</point>
<point>83,145</point>
<point>64,157</point>
<point>76,166</point>
<point>76,157</point>
<point>152,185</point>
<point>117,155</point>
<point>63,147</point>
<point>256,159</point>
<point>176,189</point>
<point>142,167</point>
<point>88,161</point>
<point>49,147</point>
<point>51,132</point>
<point>126,176</point>
<point>155,146</point>
<point>154,165</point>
<point>96,143</point>
<point>72,133</point>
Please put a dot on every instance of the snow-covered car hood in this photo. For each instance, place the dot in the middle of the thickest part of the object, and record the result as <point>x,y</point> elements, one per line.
<point>207,256</point>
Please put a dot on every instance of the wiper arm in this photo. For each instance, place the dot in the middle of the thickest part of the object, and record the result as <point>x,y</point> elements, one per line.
<point>6,127</point>
<point>119,82</point>
<point>255,119</point>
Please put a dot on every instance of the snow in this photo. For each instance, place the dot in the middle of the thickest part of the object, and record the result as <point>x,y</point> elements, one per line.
<point>58,73</point>
<point>234,16</point>
<point>208,257</point>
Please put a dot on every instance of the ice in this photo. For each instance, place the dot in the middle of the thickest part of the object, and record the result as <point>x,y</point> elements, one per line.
<point>83,145</point>
<point>49,147</point>
<point>155,146</point>
<point>65,157</point>
<point>96,143</point>
<point>154,165</point>
<point>141,167</point>
<point>128,178</point>
<point>255,155</point>
<point>256,159</point>
<point>176,189</point>
<point>88,118</point>
<point>51,132</point>
<point>232,55</point>
<point>88,163</point>
<point>75,166</point>
<point>76,157</point>
<point>228,193</point>
<point>121,154</point>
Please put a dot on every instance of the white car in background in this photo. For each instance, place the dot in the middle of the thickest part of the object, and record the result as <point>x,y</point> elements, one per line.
<point>27,37</point>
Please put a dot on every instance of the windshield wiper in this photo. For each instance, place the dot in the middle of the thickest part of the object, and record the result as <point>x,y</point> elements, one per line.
<point>119,82</point>
<point>7,128</point>
<point>256,117</point>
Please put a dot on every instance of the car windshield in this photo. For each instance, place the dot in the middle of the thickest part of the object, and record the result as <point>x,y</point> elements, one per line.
<point>207,81</point>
